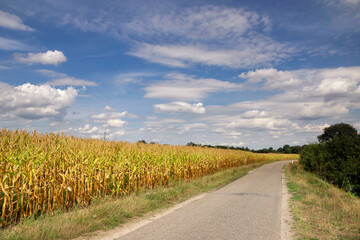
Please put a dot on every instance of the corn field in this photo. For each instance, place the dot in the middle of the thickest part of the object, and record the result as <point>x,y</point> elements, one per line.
<point>41,173</point>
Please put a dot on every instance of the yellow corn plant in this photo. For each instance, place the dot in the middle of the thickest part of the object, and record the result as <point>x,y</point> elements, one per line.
<point>41,173</point>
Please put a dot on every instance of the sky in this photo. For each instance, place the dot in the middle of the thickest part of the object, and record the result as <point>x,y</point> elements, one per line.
<point>238,73</point>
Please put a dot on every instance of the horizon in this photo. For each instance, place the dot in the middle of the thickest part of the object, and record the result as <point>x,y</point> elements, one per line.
<point>233,73</point>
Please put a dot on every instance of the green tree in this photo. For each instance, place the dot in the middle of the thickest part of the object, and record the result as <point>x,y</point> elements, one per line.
<point>286,148</point>
<point>336,158</point>
<point>337,130</point>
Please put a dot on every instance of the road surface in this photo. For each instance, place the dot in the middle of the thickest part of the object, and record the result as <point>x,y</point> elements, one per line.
<point>249,208</point>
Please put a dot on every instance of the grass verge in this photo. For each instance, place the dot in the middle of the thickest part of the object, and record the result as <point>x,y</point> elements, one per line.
<point>105,214</point>
<point>321,210</point>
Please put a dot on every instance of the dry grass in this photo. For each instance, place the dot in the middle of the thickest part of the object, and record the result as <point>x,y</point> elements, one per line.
<point>321,210</point>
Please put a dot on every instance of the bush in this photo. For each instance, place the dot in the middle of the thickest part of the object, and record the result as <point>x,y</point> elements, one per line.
<point>336,158</point>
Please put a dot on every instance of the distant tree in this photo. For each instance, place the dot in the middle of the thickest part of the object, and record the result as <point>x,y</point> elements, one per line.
<point>142,141</point>
<point>295,149</point>
<point>337,130</point>
<point>191,144</point>
<point>286,148</point>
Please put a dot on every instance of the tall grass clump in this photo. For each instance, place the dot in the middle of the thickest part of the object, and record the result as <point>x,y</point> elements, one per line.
<point>41,173</point>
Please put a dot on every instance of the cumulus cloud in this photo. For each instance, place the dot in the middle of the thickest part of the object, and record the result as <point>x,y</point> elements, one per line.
<point>272,78</point>
<point>187,88</point>
<point>110,118</point>
<point>48,58</point>
<point>318,110</point>
<point>36,102</point>
<point>174,107</point>
<point>11,45</point>
<point>107,124</point>
<point>115,123</point>
<point>323,93</point>
<point>8,20</point>
<point>87,129</point>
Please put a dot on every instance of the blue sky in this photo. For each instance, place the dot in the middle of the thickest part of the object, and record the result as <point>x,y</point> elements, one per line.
<point>240,73</point>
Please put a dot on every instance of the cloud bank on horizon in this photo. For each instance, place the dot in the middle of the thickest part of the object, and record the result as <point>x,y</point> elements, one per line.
<point>247,73</point>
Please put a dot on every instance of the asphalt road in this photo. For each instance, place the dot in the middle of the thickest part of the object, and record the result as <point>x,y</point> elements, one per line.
<point>249,208</point>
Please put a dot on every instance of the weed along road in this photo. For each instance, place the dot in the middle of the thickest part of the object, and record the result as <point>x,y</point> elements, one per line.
<point>249,208</point>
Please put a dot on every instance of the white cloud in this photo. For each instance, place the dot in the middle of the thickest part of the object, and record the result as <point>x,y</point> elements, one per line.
<point>343,3</point>
<point>3,67</point>
<point>272,78</point>
<point>254,114</point>
<point>110,118</point>
<point>234,144</point>
<point>8,20</point>
<point>88,129</point>
<point>71,81</point>
<point>51,74</point>
<point>98,24</point>
<point>198,23</point>
<point>208,35</point>
<point>247,54</point>
<point>187,88</point>
<point>157,125</point>
<point>192,127</point>
<point>260,123</point>
<point>47,58</point>
<point>322,110</point>
<point>323,93</point>
<point>316,128</point>
<point>174,107</point>
<point>35,102</point>
<point>108,124</point>
<point>109,115</point>
<point>118,133</point>
<point>339,81</point>
<point>62,79</point>
<point>115,123</point>
<point>11,45</point>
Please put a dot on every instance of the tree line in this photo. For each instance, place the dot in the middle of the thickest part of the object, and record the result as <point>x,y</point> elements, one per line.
<point>285,149</point>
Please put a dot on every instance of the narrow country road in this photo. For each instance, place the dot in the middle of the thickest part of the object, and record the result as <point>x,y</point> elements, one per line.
<point>249,208</point>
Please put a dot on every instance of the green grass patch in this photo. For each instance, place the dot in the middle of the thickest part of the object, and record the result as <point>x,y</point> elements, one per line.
<point>105,214</point>
<point>321,210</point>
